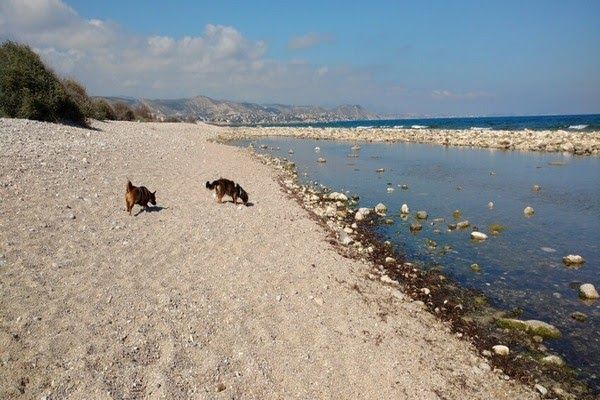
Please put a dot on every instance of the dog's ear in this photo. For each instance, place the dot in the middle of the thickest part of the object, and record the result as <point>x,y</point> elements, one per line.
<point>154,192</point>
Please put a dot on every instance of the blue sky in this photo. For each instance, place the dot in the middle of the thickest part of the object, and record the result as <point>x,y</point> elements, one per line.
<point>422,58</point>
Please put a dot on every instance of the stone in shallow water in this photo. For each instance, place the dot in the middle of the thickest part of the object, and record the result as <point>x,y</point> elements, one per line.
<point>404,209</point>
<point>422,214</point>
<point>536,188</point>
<point>553,360</point>
<point>456,214</point>
<point>321,160</point>
<point>475,267</point>
<point>532,326</point>
<point>548,249</point>
<point>415,226</point>
<point>462,224</point>
<point>588,291</point>
<point>573,259</point>
<point>528,210</point>
<point>579,316</point>
<point>380,209</point>
<point>478,236</point>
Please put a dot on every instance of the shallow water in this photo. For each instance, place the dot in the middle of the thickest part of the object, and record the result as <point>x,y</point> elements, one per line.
<point>522,266</point>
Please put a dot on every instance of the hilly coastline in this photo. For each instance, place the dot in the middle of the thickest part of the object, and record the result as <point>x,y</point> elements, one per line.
<point>242,113</point>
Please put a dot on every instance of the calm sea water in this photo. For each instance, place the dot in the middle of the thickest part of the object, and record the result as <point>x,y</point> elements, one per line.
<point>567,122</point>
<point>522,266</point>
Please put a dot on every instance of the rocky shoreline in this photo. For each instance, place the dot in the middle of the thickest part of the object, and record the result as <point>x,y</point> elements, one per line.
<point>513,347</point>
<point>578,143</point>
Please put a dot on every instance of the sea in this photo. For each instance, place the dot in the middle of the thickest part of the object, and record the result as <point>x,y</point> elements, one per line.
<point>590,122</point>
<point>521,266</point>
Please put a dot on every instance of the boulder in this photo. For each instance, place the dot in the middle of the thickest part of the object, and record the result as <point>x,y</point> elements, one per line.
<point>404,209</point>
<point>588,291</point>
<point>336,196</point>
<point>462,224</point>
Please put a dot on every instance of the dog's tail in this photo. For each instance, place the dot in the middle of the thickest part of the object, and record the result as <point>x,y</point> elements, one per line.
<point>210,186</point>
<point>129,186</point>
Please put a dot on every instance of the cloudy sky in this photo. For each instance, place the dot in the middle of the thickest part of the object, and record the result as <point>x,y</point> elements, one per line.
<point>432,58</point>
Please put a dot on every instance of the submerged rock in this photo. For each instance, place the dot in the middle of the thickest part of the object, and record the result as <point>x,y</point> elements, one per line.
<point>478,236</point>
<point>462,224</point>
<point>579,316</point>
<point>553,360</point>
<point>573,259</point>
<point>475,267</point>
<point>532,327</point>
<point>456,214</point>
<point>588,291</point>
<point>380,209</point>
<point>415,226</point>
<point>528,210</point>
<point>422,214</point>
<point>404,209</point>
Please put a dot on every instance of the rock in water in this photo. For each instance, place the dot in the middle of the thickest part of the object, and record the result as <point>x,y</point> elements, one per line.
<point>415,226</point>
<point>478,235</point>
<point>536,188</point>
<point>422,214</point>
<point>475,267</point>
<point>573,259</point>
<point>456,214</point>
<point>500,350</point>
<point>404,209</point>
<point>462,224</point>
<point>321,160</point>
<point>528,210</point>
<point>553,360</point>
<point>532,327</point>
<point>290,151</point>
<point>579,316</point>
<point>491,204</point>
<point>317,149</point>
<point>390,189</point>
<point>380,209</point>
<point>588,291</point>
<point>380,170</point>
<point>337,196</point>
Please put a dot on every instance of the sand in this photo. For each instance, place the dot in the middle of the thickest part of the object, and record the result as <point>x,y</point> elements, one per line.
<point>195,299</point>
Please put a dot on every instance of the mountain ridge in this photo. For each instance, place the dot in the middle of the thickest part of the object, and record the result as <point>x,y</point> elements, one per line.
<point>227,112</point>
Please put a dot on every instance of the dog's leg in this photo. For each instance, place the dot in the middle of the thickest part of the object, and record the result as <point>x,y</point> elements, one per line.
<point>234,198</point>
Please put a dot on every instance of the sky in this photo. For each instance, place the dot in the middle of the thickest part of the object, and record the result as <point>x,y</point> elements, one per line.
<point>408,58</point>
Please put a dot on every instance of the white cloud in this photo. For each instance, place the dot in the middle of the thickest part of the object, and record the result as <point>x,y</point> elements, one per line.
<point>311,39</point>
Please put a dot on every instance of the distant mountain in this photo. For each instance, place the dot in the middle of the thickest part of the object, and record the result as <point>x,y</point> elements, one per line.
<point>229,112</point>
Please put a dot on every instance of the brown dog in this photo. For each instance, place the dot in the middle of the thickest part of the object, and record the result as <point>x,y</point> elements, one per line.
<point>224,187</point>
<point>138,195</point>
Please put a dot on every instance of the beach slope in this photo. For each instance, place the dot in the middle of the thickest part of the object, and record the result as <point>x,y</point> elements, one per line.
<point>195,299</point>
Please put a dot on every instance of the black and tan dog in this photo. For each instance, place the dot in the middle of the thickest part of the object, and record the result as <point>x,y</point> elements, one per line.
<point>224,187</point>
<point>138,195</point>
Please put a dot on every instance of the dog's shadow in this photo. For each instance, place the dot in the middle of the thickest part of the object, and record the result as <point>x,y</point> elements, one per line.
<point>248,204</point>
<point>151,209</point>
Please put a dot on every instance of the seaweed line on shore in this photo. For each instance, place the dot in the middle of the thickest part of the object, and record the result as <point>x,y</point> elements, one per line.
<point>465,311</point>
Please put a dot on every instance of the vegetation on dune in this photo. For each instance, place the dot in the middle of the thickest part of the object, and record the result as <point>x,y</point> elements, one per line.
<point>28,89</point>
<point>123,112</point>
<point>143,113</point>
<point>103,111</point>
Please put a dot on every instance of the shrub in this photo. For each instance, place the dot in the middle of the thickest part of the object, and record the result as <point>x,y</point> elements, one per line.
<point>143,113</point>
<point>123,112</point>
<point>28,89</point>
<point>103,111</point>
<point>191,118</point>
<point>79,95</point>
<point>172,118</point>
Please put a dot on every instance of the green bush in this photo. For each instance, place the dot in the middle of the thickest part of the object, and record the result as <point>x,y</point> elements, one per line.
<point>123,112</point>
<point>103,111</point>
<point>79,95</point>
<point>28,89</point>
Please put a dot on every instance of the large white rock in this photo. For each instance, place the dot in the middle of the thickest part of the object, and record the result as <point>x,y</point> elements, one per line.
<point>380,209</point>
<point>500,350</point>
<point>337,196</point>
<point>588,291</point>
<point>404,209</point>
<point>478,235</point>
<point>528,210</point>
<point>573,259</point>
